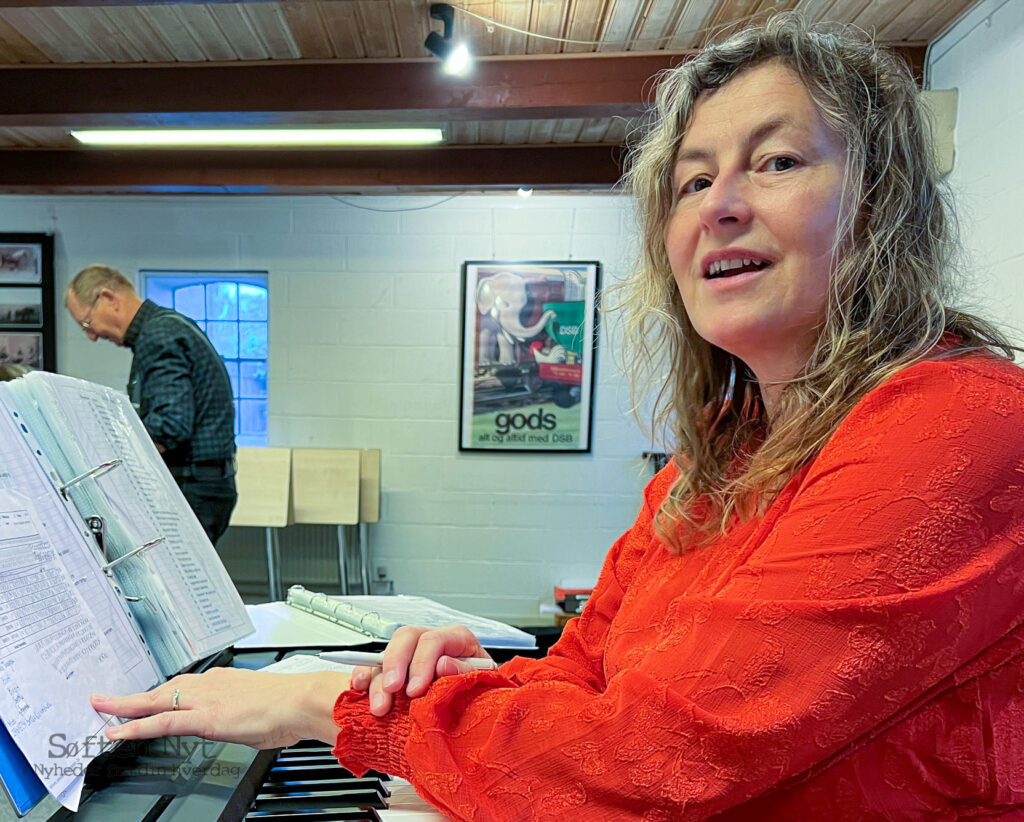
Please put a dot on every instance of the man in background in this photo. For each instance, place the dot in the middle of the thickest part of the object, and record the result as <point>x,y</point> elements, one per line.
<point>178,384</point>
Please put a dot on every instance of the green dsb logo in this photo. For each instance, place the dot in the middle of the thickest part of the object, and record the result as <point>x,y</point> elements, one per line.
<point>538,421</point>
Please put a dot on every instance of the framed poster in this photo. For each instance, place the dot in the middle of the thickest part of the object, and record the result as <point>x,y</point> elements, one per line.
<point>27,301</point>
<point>528,345</point>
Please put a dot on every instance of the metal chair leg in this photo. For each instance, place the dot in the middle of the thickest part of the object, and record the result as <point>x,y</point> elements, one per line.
<point>342,570</point>
<point>273,578</point>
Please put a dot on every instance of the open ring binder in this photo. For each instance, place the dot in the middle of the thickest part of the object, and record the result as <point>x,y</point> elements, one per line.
<point>86,638</point>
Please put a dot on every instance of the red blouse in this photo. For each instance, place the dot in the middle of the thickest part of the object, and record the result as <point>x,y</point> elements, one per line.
<point>855,654</point>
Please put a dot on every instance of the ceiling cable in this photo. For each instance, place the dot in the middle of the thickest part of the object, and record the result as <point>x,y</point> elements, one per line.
<point>623,43</point>
<point>350,204</point>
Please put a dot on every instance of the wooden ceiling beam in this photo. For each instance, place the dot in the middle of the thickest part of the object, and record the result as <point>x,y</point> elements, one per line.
<point>310,171</point>
<point>40,4</point>
<point>365,92</point>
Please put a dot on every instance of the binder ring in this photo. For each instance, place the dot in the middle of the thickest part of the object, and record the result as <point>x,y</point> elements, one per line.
<point>174,699</point>
<point>363,616</point>
<point>96,472</point>
<point>106,568</point>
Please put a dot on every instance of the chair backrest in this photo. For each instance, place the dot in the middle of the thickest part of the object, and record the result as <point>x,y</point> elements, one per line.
<point>315,486</point>
<point>264,487</point>
<point>369,485</point>
<point>325,485</point>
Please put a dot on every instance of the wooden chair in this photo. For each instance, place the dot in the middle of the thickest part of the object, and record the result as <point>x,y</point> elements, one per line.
<point>340,487</point>
<point>265,501</point>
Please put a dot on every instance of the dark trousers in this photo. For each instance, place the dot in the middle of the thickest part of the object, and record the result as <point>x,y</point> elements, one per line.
<point>213,500</point>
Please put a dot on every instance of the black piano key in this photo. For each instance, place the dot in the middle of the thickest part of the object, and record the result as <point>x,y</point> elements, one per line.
<point>342,784</point>
<point>317,815</point>
<point>290,773</point>
<point>360,798</point>
<point>303,744</point>
<point>318,759</point>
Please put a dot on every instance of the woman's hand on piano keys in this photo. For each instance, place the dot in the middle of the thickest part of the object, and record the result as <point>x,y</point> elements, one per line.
<point>263,710</point>
<point>419,655</point>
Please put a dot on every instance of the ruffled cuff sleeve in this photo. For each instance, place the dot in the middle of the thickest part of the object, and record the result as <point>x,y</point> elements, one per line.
<point>366,741</point>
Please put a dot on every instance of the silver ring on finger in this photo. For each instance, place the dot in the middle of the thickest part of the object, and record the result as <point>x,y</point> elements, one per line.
<point>175,698</point>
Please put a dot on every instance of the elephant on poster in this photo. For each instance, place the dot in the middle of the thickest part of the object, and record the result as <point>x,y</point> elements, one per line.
<point>501,299</point>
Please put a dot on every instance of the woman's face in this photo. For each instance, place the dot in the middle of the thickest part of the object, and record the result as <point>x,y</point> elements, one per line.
<point>758,194</point>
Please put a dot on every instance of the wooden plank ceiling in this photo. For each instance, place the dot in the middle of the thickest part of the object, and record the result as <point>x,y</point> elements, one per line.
<point>535,111</point>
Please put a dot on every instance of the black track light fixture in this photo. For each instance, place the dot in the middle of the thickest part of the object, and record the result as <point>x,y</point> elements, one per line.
<point>454,57</point>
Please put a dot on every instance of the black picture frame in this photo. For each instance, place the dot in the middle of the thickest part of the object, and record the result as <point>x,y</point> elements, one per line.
<point>528,355</point>
<point>28,326</point>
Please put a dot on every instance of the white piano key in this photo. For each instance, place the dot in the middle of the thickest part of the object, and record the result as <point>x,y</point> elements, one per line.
<point>405,805</point>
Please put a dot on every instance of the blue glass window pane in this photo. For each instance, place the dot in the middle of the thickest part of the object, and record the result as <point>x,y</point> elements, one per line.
<point>234,316</point>
<point>252,302</point>
<point>224,337</point>
<point>254,417</point>
<point>232,367</point>
<point>254,379</point>
<point>191,301</point>
<point>222,301</point>
<point>253,340</point>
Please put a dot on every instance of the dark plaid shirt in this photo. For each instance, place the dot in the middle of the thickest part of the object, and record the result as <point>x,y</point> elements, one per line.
<point>180,387</point>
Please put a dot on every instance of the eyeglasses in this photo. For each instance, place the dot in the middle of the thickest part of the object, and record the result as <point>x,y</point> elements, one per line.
<point>87,322</point>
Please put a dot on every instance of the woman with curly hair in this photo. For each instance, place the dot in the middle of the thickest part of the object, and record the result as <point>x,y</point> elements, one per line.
<point>818,612</point>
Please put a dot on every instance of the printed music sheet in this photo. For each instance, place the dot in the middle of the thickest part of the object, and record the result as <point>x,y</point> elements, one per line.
<point>63,632</point>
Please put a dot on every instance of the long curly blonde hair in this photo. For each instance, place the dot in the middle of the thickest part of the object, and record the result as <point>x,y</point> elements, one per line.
<point>889,302</point>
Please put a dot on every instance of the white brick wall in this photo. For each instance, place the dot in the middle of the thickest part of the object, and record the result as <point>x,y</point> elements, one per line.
<point>364,345</point>
<point>983,57</point>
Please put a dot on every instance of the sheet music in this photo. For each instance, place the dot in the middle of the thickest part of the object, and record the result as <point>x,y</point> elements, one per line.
<point>143,500</point>
<point>63,633</point>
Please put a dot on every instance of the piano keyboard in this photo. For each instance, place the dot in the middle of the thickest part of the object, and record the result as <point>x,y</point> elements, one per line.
<point>306,782</point>
<point>221,782</point>
<point>189,780</point>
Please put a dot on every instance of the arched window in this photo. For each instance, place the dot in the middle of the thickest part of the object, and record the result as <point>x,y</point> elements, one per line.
<point>232,308</point>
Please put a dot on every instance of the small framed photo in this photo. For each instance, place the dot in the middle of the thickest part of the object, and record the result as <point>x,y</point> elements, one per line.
<point>21,263</point>
<point>528,345</point>
<point>21,307</point>
<point>22,349</point>
<point>28,300</point>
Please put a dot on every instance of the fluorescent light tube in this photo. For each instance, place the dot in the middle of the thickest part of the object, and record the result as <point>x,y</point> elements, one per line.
<point>198,137</point>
